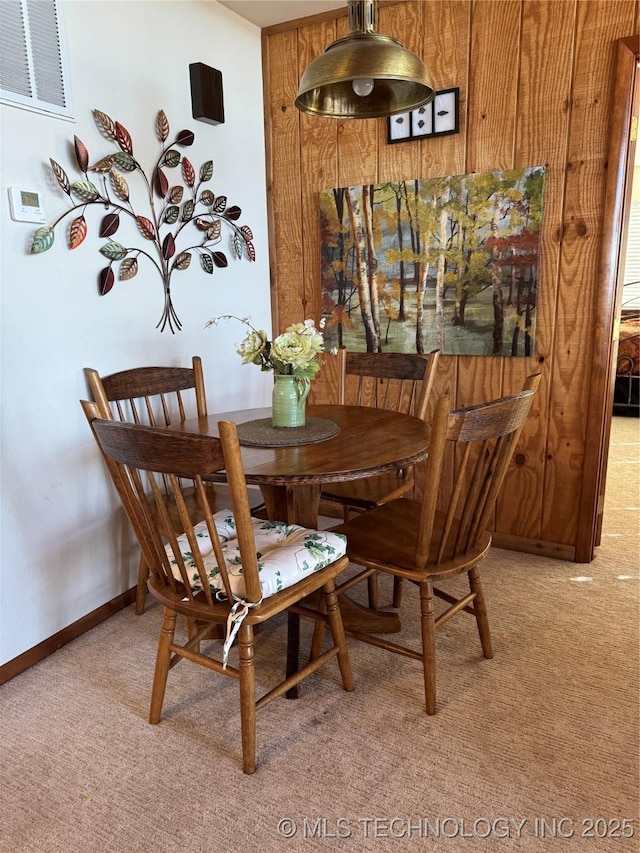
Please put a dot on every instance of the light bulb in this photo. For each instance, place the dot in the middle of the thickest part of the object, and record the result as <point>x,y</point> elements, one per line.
<point>362,86</point>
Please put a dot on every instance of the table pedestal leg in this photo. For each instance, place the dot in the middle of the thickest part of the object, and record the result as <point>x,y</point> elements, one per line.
<point>293,504</point>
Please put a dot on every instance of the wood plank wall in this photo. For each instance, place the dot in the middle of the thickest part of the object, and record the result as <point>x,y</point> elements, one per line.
<point>536,88</point>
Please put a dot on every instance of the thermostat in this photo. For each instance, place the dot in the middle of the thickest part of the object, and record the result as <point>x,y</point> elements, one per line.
<point>25,205</point>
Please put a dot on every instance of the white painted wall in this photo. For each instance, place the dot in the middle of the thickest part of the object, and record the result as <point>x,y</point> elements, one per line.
<point>65,548</point>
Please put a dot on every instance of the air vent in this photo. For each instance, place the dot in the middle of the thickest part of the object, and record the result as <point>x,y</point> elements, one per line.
<point>34,68</point>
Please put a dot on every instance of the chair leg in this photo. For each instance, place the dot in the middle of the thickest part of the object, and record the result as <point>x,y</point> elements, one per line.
<point>372,589</point>
<point>293,651</point>
<point>337,633</point>
<point>428,645</point>
<point>247,698</point>
<point>480,609</point>
<point>318,636</point>
<point>163,659</point>
<point>141,588</point>
<point>192,627</point>
<point>397,592</point>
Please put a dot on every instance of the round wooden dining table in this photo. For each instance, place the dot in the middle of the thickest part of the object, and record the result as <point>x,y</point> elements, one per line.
<point>369,441</point>
<point>366,441</point>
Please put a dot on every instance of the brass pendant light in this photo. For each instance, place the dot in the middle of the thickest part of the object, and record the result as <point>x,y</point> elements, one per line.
<point>365,74</point>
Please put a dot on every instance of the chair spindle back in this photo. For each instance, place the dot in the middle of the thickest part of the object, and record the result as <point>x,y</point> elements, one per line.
<point>147,465</point>
<point>484,438</point>
<point>389,380</point>
<point>149,395</point>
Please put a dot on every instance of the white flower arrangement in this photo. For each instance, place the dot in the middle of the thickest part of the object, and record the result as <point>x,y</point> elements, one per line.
<point>293,353</point>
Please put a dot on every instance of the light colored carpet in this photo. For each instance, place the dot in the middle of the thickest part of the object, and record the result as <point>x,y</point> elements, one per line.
<point>540,741</point>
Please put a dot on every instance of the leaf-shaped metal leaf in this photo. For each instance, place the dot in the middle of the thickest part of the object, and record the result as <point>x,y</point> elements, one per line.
<point>207,197</point>
<point>42,240</point>
<point>206,171</point>
<point>238,245</point>
<point>188,172</point>
<point>204,224</point>
<point>146,227</point>
<point>160,183</point>
<point>168,247</point>
<point>182,261</point>
<point>162,126</point>
<point>113,250</point>
<point>109,225</point>
<point>171,158</point>
<point>206,263</point>
<point>85,190</point>
<point>103,165</point>
<point>233,213</point>
<point>246,232</point>
<point>219,204</point>
<point>123,138</point>
<point>185,137</point>
<point>251,251</point>
<point>124,161</point>
<point>105,280</point>
<point>172,214</point>
<point>82,155</point>
<point>106,124</point>
<point>176,195</point>
<point>77,232</point>
<point>220,259</point>
<point>214,232</point>
<point>187,210</point>
<point>120,186</point>
<point>128,269</point>
<point>61,176</point>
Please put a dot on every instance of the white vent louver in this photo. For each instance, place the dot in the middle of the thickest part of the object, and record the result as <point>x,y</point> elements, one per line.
<point>34,69</point>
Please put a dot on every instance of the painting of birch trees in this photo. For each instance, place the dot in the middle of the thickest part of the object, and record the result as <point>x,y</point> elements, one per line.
<point>444,263</point>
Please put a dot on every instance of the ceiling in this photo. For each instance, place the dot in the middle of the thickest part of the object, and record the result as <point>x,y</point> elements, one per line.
<point>266,13</point>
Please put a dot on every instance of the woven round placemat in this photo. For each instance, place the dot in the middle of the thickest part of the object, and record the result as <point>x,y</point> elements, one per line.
<point>260,433</point>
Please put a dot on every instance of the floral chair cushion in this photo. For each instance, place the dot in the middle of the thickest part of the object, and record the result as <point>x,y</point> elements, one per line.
<point>286,553</point>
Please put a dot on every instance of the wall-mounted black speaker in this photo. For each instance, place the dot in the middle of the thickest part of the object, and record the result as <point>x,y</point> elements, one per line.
<point>207,103</point>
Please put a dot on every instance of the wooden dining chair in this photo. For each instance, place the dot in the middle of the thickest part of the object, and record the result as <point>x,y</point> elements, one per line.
<point>160,396</point>
<point>229,570</point>
<point>388,380</point>
<point>446,533</point>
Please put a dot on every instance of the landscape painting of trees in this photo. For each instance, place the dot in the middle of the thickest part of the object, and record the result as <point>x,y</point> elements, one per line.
<point>444,263</point>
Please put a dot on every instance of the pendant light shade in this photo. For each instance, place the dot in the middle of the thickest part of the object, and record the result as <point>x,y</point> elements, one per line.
<point>365,74</point>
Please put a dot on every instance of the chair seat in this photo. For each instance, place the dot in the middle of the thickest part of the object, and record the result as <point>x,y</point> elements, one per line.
<point>391,533</point>
<point>218,611</point>
<point>369,492</point>
<point>287,553</point>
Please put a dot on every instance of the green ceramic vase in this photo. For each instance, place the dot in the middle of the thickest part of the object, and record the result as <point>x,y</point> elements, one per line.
<point>289,401</point>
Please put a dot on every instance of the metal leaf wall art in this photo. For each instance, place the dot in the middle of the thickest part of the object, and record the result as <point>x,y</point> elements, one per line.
<point>171,208</point>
